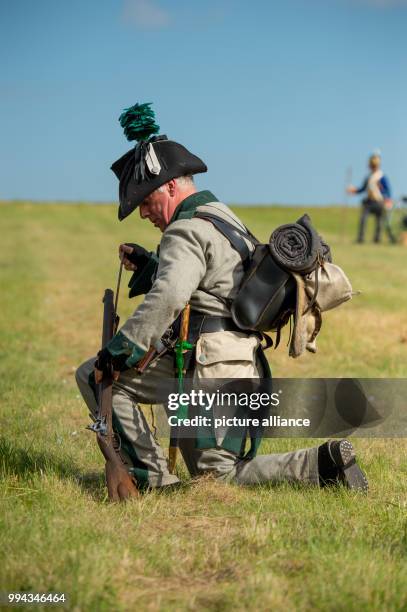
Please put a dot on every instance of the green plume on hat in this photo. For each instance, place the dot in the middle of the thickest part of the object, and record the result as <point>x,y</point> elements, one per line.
<point>138,122</point>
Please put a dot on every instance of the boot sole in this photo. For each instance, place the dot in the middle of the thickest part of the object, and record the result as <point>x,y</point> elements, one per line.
<point>350,474</point>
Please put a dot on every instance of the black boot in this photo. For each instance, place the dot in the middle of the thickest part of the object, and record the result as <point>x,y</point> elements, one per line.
<point>337,463</point>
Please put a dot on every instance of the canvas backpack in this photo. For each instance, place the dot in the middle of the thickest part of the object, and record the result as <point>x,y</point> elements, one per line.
<point>290,278</point>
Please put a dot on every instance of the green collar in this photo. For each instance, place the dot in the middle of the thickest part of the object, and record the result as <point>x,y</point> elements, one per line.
<point>186,209</point>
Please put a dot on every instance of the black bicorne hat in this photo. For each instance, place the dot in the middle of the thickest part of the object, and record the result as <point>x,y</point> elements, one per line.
<point>148,166</point>
<point>155,160</point>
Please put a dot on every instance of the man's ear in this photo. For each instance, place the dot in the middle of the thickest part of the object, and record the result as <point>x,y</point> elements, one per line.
<point>172,186</point>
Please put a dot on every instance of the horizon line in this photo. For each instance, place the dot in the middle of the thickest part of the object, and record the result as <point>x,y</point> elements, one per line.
<point>237,204</point>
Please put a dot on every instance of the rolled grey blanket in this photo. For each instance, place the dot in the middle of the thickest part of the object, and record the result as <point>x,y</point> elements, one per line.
<point>297,246</point>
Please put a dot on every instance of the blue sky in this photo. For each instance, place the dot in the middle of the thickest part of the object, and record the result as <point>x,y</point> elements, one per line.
<point>278,98</point>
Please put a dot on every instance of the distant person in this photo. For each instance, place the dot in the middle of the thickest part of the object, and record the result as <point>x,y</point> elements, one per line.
<point>377,201</point>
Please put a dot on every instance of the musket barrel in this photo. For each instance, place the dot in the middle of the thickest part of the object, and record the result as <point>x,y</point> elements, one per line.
<point>108,317</point>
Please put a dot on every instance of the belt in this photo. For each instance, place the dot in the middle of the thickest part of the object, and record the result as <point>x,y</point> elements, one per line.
<point>200,323</point>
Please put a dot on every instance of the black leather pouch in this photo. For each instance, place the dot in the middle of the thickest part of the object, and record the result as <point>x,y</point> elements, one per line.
<point>267,292</point>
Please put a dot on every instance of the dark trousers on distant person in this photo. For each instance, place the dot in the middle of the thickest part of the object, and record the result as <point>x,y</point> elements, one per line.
<point>370,207</point>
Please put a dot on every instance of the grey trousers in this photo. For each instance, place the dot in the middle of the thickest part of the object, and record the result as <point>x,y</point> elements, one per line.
<point>370,207</point>
<point>147,457</point>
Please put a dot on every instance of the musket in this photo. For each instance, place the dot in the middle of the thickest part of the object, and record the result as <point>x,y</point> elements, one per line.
<point>120,484</point>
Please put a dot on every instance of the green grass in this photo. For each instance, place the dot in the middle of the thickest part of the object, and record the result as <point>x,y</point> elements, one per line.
<point>211,546</point>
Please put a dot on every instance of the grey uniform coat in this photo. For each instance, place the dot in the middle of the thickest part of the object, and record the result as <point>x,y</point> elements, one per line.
<point>197,265</point>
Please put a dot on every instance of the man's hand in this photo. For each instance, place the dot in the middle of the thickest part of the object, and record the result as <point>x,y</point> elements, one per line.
<point>388,203</point>
<point>133,256</point>
<point>104,364</point>
<point>351,189</point>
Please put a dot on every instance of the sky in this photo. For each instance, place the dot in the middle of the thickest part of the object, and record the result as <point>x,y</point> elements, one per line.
<point>283,100</point>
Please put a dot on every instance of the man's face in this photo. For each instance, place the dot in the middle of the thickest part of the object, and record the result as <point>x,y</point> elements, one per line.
<point>157,208</point>
<point>374,162</point>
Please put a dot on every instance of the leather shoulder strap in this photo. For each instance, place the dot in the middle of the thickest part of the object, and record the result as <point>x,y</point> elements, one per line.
<point>233,234</point>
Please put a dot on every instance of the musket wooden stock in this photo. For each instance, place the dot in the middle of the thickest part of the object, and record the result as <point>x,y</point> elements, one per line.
<point>120,485</point>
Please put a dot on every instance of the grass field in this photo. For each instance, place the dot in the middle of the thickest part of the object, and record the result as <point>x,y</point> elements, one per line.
<point>210,546</point>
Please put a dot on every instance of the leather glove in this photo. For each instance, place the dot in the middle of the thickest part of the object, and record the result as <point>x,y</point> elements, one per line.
<point>106,361</point>
<point>139,257</point>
